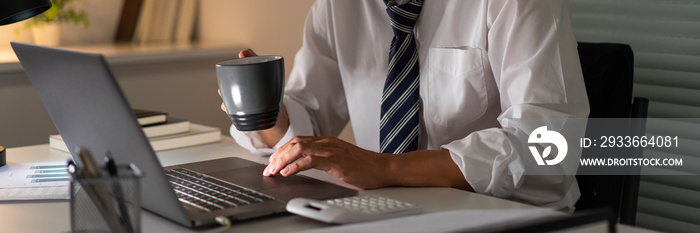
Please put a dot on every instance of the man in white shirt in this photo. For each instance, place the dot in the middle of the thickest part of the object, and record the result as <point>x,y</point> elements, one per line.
<point>481,63</point>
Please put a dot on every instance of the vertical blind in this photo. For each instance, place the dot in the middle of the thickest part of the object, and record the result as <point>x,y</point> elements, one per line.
<point>665,38</point>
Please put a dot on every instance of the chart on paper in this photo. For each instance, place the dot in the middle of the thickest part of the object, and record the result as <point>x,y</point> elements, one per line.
<point>34,181</point>
<point>16,175</point>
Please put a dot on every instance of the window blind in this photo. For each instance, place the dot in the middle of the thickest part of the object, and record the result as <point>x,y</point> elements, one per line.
<point>665,38</point>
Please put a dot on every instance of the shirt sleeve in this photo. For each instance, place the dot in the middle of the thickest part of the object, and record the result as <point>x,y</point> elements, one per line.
<point>314,94</point>
<point>534,60</point>
<point>299,125</point>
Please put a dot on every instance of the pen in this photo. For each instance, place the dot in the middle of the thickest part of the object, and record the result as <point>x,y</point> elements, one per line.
<point>88,163</point>
<point>116,185</point>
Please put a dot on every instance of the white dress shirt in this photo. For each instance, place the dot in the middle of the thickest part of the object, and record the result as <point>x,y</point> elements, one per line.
<point>481,64</point>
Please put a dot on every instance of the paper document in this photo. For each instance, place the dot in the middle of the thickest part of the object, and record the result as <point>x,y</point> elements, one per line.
<point>34,181</point>
<point>449,221</point>
<point>35,193</point>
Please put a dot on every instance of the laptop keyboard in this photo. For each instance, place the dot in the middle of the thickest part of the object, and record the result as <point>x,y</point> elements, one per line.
<point>208,193</point>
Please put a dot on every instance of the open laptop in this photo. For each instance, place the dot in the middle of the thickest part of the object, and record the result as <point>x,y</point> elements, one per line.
<point>90,112</point>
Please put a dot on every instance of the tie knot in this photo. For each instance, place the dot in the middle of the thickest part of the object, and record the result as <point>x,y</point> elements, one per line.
<point>404,16</point>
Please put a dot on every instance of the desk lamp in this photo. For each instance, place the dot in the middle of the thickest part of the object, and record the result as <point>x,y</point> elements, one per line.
<point>18,10</point>
<point>15,11</point>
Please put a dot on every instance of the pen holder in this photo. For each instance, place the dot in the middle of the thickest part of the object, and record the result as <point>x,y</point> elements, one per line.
<point>106,203</point>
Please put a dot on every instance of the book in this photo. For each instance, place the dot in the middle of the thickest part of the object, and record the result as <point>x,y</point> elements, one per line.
<point>157,21</point>
<point>150,117</point>
<point>165,23</point>
<point>127,20</point>
<point>197,135</point>
<point>145,20</point>
<point>187,13</point>
<point>173,125</point>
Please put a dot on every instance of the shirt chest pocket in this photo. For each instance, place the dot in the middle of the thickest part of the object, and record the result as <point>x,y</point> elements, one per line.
<point>456,92</point>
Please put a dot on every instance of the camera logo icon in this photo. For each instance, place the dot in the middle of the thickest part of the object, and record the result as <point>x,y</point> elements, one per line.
<point>542,135</point>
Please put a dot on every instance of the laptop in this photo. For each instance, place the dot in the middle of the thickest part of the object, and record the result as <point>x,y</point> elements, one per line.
<point>90,112</point>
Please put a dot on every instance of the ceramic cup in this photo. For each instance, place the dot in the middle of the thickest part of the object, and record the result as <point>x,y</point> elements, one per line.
<point>252,89</point>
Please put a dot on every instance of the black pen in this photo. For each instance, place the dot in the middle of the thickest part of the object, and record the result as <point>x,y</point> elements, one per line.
<point>112,168</point>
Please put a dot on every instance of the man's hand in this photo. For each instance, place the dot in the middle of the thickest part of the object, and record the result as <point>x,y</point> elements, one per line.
<point>338,158</point>
<point>366,169</point>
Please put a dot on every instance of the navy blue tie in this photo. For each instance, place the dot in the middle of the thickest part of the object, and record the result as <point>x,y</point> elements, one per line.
<point>399,125</point>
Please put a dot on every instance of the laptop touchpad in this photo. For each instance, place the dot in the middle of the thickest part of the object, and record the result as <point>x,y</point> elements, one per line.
<point>252,178</point>
<point>216,165</point>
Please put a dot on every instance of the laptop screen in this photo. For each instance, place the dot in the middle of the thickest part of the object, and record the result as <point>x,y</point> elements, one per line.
<point>90,112</point>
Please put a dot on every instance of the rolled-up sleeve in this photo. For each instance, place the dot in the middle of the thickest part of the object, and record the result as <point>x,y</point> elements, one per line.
<point>534,60</point>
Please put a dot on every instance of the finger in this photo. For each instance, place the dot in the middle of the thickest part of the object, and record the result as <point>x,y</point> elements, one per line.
<point>272,156</point>
<point>286,147</point>
<point>289,156</point>
<point>301,165</point>
<point>293,150</point>
<point>247,53</point>
<point>314,156</point>
<point>266,172</point>
<point>308,162</point>
<point>286,154</point>
<point>325,140</point>
<point>223,108</point>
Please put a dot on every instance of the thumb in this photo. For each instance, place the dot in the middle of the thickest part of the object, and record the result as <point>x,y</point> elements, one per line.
<point>247,53</point>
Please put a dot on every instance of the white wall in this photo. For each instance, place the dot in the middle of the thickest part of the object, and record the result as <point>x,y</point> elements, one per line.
<point>266,26</point>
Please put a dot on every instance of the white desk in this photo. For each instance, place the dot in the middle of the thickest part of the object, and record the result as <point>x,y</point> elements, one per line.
<point>54,216</point>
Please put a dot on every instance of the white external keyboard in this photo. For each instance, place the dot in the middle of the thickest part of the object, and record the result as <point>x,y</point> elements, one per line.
<point>351,209</point>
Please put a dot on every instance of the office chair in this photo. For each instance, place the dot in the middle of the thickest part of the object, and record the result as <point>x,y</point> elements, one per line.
<point>608,75</point>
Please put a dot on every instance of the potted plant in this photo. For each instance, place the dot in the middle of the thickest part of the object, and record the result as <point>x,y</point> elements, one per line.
<point>46,26</point>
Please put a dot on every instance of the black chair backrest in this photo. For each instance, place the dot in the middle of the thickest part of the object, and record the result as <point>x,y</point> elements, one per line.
<point>608,74</point>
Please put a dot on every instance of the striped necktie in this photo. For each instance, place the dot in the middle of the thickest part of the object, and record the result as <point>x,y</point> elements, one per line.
<point>399,126</point>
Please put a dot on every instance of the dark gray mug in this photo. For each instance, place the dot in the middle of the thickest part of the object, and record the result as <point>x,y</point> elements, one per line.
<point>252,89</point>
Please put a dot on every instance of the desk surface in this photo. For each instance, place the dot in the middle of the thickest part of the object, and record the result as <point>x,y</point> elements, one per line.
<point>54,216</point>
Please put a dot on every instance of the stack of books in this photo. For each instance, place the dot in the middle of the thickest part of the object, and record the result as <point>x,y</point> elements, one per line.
<point>164,132</point>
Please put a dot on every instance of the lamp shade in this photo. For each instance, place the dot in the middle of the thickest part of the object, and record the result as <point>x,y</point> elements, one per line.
<point>12,11</point>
